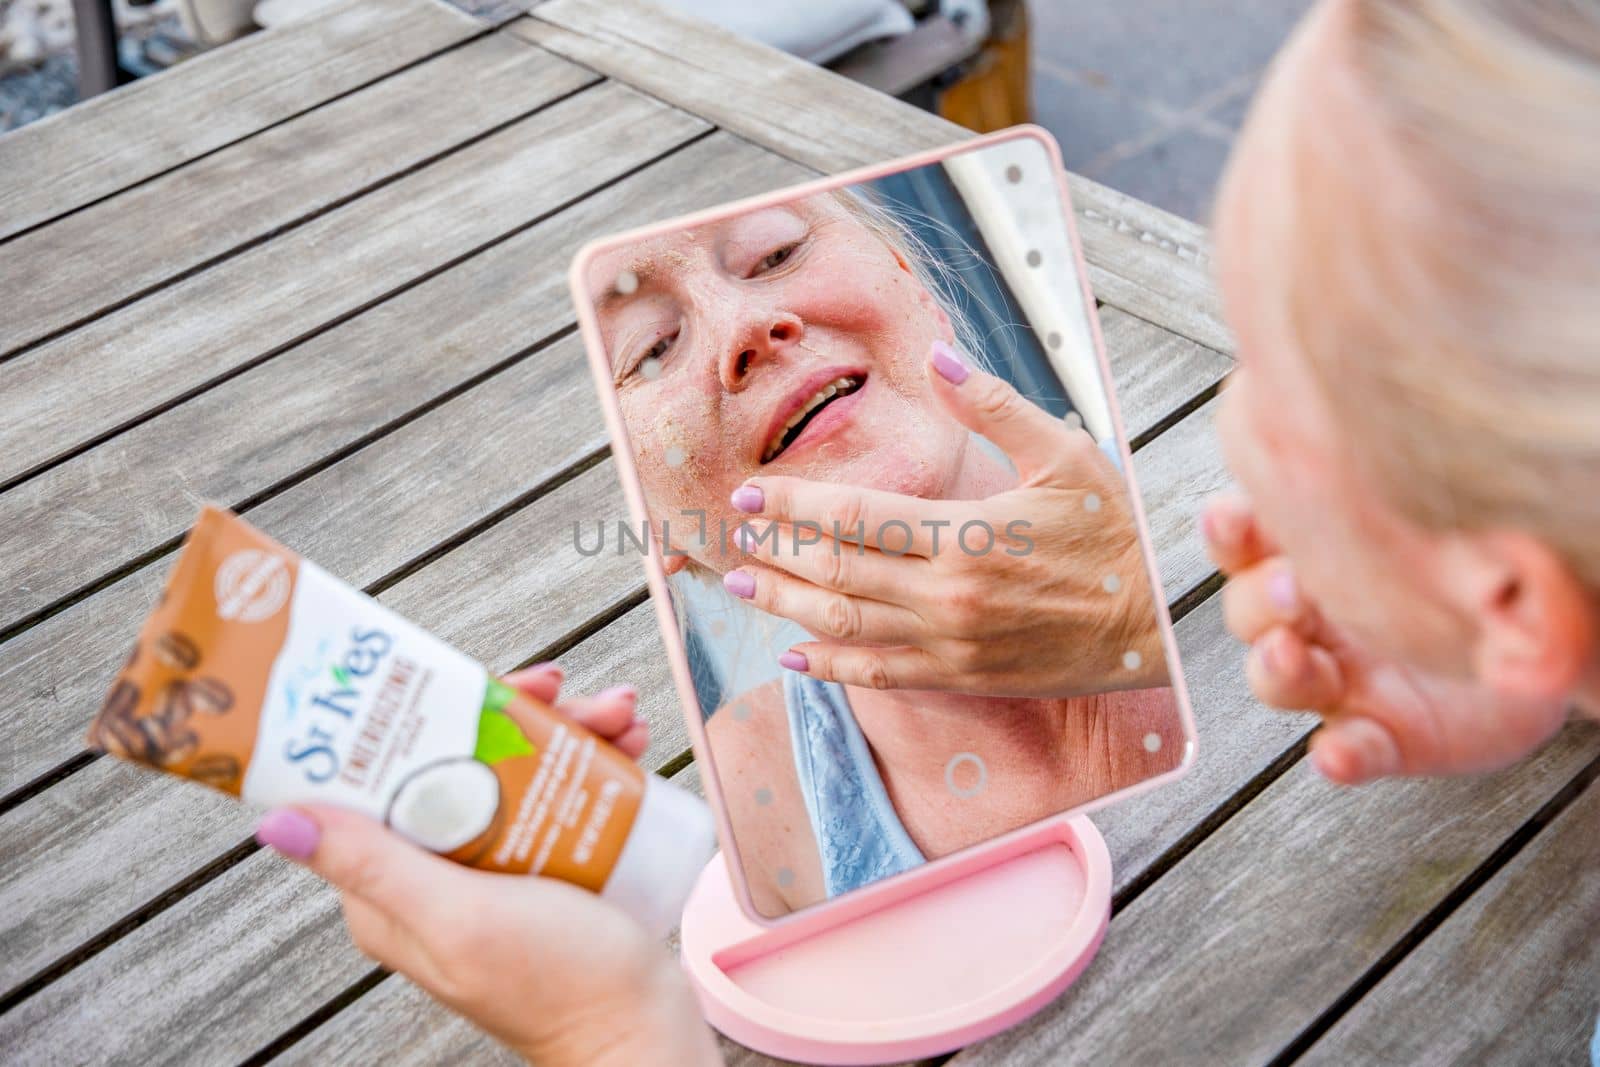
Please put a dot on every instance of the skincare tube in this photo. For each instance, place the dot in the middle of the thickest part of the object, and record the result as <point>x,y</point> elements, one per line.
<point>261,675</point>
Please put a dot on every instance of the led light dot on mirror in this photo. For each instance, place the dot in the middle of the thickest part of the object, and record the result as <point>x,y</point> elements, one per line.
<point>957,762</point>
<point>674,456</point>
<point>785,878</point>
<point>1034,258</point>
<point>1131,659</point>
<point>650,368</point>
<point>1014,174</point>
<point>1073,420</point>
<point>1054,340</point>
<point>1152,742</point>
<point>763,796</point>
<point>1111,583</point>
<point>626,282</point>
<point>1091,501</point>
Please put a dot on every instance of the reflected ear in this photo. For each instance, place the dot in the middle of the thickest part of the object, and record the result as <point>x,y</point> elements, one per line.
<point>1537,622</point>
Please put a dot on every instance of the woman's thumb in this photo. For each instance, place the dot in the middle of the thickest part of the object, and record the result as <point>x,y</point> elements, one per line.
<point>358,856</point>
<point>985,404</point>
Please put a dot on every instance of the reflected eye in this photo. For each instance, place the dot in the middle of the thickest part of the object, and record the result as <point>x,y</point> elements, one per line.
<point>649,362</point>
<point>776,259</point>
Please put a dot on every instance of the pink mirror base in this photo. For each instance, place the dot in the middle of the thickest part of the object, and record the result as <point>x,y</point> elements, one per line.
<point>946,959</point>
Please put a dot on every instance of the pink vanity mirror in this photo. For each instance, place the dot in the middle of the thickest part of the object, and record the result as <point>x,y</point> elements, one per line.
<point>876,472</point>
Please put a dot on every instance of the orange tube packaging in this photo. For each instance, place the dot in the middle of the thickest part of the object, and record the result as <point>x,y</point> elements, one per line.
<point>260,674</point>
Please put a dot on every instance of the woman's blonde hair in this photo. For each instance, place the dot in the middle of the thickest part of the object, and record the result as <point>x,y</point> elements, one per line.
<point>1470,392</point>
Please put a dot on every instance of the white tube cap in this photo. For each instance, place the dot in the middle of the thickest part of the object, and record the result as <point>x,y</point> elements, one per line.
<point>672,839</point>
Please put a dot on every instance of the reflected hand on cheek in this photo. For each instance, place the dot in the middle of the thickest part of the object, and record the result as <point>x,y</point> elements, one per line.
<point>951,594</point>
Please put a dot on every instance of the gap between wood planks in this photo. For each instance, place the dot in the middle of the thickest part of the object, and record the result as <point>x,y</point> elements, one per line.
<point>409,64</point>
<point>244,246</point>
<point>345,316</point>
<point>61,603</point>
<point>1435,917</point>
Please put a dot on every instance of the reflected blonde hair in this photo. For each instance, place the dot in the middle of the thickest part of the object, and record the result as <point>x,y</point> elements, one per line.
<point>1458,343</point>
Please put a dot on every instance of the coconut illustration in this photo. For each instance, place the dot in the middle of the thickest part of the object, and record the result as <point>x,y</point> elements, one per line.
<point>446,804</point>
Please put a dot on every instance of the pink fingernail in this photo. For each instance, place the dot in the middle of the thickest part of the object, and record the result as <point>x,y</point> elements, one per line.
<point>618,692</point>
<point>748,499</point>
<point>1282,592</point>
<point>740,584</point>
<point>541,668</point>
<point>290,832</point>
<point>795,661</point>
<point>948,364</point>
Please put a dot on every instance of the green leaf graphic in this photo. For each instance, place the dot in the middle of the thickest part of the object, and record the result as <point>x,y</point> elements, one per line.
<point>497,696</point>
<point>499,738</point>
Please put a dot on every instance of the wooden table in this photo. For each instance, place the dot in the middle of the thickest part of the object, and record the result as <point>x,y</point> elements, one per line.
<point>319,276</point>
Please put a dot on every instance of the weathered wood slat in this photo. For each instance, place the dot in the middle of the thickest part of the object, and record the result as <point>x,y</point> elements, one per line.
<point>113,141</point>
<point>112,251</point>
<point>1151,366</point>
<point>126,364</point>
<point>401,1025</point>
<point>1198,961</point>
<point>202,983</point>
<point>1140,258</point>
<point>366,516</point>
<point>1513,976</point>
<point>1177,472</point>
<point>130,495</point>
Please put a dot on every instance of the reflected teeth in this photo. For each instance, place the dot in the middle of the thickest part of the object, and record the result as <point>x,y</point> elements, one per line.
<point>846,384</point>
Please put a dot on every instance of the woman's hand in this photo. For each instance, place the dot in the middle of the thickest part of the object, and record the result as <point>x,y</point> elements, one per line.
<point>1039,591</point>
<point>553,971</point>
<point>1380,717</point>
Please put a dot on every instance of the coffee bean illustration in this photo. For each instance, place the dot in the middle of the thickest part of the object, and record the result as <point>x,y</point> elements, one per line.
<point>217,770</point>
<point>176,651</point>
<point>209,696</point>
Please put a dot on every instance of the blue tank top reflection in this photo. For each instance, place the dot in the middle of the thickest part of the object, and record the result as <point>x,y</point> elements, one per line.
<point>860,837</point>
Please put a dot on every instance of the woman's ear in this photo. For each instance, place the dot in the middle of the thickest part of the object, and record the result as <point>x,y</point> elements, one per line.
<point>947,331</point>
<point>1536,621</point>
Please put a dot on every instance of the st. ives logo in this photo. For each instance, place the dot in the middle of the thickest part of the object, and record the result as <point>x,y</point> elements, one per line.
<point>325,697</point>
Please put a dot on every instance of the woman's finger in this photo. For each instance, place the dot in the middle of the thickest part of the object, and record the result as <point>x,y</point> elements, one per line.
<point>387,941</point>
<point>1234,539</point>
<point>1266,596</point>
<point>824,612</point>
<point>848,568</point>
<point>1286,671</point>
<point>609,713</point>
<point>901,525</point>
<point>634,740</point>
<point>1355,749</point>
<point>872,668</point>
<point>542,681</point>
<point>1036,441</point>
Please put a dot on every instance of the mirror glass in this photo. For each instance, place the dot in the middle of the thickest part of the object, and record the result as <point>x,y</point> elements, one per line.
<point>817,372</point>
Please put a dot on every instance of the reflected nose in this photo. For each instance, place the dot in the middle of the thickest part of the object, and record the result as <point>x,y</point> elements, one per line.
<point>766,336</point>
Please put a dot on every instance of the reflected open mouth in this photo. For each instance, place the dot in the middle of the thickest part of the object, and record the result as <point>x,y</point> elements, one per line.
<point>796,424</point>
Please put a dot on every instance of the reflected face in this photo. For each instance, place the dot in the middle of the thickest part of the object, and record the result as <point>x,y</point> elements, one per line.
<point>1370,570</point>
<point>792,340</point>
